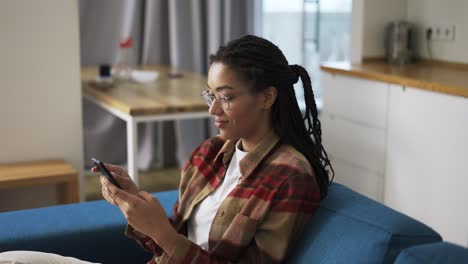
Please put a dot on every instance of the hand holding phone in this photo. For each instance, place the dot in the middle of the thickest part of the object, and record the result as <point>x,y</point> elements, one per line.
<point>104,171</point>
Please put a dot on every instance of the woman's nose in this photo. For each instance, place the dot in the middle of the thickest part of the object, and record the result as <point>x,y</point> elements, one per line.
<point>215,108</point>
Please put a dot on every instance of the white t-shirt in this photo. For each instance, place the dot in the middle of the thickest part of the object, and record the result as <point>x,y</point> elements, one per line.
<point>199,223</point>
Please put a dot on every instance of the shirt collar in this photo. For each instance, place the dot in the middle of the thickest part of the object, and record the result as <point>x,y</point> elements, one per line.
<point>253,158</point>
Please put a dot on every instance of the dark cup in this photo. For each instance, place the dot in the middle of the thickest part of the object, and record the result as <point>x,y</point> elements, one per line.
<point>104,71</point>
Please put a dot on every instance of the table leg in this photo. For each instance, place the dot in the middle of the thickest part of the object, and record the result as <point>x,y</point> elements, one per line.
<point>160,150</point>
<point>132,149</point>
<point>67,192</point>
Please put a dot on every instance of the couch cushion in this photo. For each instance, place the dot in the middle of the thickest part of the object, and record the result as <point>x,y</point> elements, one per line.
<point>92,231</point>
<point>434,253</point>
<point>351,228</point>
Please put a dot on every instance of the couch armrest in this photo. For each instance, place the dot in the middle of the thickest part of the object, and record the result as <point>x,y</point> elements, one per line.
<point>92,231</point>
<point>434,253</point>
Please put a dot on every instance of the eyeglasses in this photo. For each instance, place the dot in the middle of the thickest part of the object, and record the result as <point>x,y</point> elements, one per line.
<point>209,98</point>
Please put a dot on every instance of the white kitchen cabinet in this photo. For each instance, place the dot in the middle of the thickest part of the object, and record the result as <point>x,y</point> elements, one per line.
<point>354,122</point>
<point>355,143</point>
<point>426,173</point>
<point>405,147</point>
<point>355,99</point>
<point>365,181</point>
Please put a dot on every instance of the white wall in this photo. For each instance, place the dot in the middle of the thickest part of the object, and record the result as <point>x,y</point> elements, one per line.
<point>356,31</point>
<point>422,13</point>
<point>425,13</point>
<point>377,14</point>
<point>40,94</point>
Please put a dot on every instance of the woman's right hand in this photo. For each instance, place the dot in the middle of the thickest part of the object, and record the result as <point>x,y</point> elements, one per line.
<point>121,176</point>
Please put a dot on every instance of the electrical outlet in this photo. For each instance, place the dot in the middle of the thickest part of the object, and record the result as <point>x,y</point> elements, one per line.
<point>442,32</point>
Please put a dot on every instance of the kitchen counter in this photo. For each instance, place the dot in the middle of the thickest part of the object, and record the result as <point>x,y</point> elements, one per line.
<point>439,77</point>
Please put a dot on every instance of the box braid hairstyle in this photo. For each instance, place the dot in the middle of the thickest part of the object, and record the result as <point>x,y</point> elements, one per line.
<point>261,64</point>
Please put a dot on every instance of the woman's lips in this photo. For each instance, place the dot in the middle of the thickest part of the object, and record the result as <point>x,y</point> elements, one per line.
<point>220,123</point>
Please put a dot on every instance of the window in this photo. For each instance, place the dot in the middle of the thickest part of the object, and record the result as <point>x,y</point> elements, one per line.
<point>308,32</point>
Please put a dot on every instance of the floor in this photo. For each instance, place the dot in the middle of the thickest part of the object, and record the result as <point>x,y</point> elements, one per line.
<point>151,181</point>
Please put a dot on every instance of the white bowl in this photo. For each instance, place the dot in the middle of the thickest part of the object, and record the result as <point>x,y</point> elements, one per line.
<point>144,76</point>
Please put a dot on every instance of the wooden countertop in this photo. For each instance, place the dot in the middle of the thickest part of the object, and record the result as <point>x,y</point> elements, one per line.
<point>437,77</point>
<point>164,95</point>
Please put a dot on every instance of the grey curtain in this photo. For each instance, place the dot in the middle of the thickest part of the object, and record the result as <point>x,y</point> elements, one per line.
<point>179,33</point>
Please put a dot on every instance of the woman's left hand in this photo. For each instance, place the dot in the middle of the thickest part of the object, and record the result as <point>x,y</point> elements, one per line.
<point>145,214</point>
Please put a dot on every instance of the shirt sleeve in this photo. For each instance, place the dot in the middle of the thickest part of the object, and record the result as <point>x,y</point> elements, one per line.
<point>291,209</point>
<point>145,241</point>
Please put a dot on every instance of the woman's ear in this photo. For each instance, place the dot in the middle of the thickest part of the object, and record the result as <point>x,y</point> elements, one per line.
<point>269,96</point>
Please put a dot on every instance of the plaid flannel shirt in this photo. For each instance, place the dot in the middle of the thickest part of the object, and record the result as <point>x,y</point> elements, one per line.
<point>260,219</point>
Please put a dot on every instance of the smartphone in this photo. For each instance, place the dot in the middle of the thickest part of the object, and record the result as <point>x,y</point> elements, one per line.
<point>105,172</point>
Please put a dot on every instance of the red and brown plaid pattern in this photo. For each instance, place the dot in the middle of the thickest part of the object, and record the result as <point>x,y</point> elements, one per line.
<point>260,219</point>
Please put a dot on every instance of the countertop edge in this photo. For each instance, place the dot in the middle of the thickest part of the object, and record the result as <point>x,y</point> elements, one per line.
<point>395,79</point>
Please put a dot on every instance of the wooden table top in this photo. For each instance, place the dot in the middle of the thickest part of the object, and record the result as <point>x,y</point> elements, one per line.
<point>35,170</point>
<point>162,96</point>
<point>437,77</point>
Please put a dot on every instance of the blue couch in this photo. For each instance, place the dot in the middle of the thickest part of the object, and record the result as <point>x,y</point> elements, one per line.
<point>347,228</point>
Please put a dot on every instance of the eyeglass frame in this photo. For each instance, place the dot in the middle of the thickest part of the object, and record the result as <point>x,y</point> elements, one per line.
<point>210,98</point>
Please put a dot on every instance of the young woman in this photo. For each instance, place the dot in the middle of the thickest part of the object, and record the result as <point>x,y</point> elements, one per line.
<point>247,194</point>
